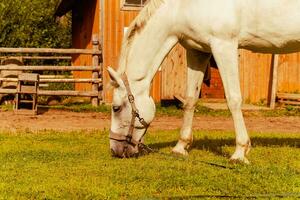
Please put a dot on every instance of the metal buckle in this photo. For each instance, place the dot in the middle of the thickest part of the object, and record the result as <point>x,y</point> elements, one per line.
<point>142,121</point>
<point>136,113</point>
<point>128,138</point>
<point>130,98</point>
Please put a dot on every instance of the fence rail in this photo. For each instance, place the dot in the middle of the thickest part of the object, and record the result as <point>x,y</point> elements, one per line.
<point>50,50</point>
<point>37,57</point>
<point>287,98</point>
<point>50,68</point>
<point>58,80</point>
<point>56,93</point>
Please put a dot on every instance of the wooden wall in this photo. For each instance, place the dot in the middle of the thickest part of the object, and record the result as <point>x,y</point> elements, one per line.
<point>289,73</point>
<point>85,23</point>
<point>115,21</point>
<point>174,74</point>
<point>256,75</point>
<point>255,71</point>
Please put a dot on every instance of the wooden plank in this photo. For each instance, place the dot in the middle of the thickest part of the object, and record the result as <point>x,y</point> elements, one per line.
<point>8,91</point>
<point>275,59</point>
<point>58,80</point>
<point>83,80</point>
<point>55,76</point>
<point>50,50</point>
<point>37,57</point>
<point>50,68</point>
<point>68,93</point>
<point>296,103</point>
<point>30,77</point>
<point>56,93</point>
<point>288,96</point>
<point>9,79</point>
<point>25,89</point>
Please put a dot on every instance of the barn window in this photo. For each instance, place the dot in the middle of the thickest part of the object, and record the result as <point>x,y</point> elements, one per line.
<point>132,4</point>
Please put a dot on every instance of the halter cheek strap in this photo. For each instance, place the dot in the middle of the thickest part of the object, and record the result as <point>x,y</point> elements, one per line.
<point>135,115</point>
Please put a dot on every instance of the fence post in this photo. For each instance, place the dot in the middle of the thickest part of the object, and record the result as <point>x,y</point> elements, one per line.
<point>275,63</point>
<point>95,63</point>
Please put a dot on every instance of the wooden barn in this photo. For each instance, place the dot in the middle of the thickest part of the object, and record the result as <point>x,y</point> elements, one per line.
<point>108,20</point>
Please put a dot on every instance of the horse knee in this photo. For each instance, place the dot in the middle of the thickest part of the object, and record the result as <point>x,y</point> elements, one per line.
<point>234,103</point>
<point>190,104</point>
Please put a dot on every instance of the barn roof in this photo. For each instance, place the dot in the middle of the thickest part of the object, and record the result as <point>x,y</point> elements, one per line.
<point>65,6</point>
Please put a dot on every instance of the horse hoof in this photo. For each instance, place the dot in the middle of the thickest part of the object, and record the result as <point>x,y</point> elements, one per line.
<point>181,152</point>
<point>239,161</point>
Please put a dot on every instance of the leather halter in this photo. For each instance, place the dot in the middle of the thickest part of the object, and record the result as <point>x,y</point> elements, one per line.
<point>135,115</point>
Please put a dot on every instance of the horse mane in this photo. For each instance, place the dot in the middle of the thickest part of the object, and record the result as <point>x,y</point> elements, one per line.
<point>136,27</point>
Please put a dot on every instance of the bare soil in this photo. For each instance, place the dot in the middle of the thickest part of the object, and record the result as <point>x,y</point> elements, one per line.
<point>69,121</point>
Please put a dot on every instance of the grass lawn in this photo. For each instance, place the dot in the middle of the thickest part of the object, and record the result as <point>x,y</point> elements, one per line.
<point>78,165</point>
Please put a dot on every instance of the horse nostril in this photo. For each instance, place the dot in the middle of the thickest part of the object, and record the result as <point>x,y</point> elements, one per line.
<point>117,154</point>
<point>136,155</point>
<point>113,153</point>
<point>124,152</point>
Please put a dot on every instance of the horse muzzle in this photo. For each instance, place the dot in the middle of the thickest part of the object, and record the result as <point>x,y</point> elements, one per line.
<point>123,150</point>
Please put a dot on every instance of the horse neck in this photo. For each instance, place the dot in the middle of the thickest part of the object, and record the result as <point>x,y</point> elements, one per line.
<point>147,51</point>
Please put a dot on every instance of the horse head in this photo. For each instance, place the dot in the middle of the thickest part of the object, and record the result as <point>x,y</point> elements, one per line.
<point>132,112</point>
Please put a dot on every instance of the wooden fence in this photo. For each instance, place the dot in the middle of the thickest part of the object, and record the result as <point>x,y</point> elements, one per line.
<point>96,81</point>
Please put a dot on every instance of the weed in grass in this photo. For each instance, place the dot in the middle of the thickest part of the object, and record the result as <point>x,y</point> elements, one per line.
<point>281,112</point>
<point>170,110</point>
<point>202,110</point>
<point>173,110</point>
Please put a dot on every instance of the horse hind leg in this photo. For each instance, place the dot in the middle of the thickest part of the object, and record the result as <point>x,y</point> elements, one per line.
<point>226,55</point>
<point>197,65</point>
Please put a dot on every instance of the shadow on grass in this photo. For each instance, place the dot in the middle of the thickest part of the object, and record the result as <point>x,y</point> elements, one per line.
<point>216,145</point>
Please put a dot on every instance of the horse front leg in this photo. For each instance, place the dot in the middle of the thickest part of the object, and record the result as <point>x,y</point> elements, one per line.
<point>197,65</point>
<point>225,53</point>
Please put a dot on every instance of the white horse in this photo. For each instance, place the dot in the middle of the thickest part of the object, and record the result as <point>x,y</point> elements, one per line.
<point>204,28</point>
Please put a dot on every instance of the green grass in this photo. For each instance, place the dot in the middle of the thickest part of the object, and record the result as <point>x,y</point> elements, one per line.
<point>78,165</point>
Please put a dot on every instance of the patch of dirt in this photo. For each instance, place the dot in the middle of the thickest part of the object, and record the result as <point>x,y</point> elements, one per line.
<point>68,121</point>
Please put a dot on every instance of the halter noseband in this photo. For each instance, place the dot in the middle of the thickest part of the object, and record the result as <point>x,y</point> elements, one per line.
<point>135,114</point>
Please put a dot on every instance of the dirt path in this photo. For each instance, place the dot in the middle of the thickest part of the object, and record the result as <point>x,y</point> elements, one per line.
<point>66,121</point>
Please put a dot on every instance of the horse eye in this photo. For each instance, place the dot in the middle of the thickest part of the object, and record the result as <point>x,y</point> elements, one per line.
<point>116,108</point>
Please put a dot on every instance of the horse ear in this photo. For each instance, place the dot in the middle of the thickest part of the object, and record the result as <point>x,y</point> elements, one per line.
<point>116,81</point>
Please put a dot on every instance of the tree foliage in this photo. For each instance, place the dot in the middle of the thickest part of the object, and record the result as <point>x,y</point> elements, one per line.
<point>31,23</point>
